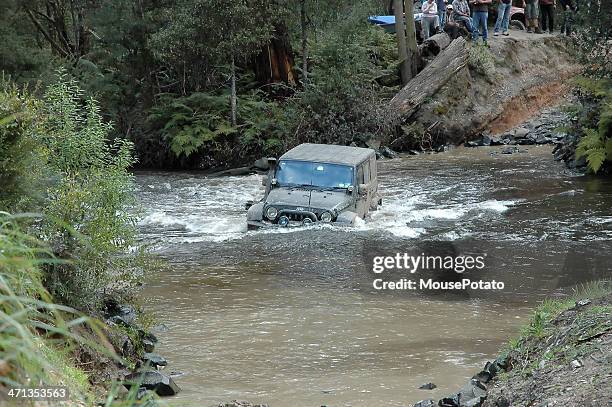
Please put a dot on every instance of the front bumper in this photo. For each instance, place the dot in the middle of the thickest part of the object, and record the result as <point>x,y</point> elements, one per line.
<point>264,224</point>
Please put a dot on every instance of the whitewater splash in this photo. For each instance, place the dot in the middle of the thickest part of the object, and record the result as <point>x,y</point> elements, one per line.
<point>189,210</point>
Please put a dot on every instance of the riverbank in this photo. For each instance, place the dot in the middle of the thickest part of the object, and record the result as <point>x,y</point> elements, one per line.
<point>560,358</point>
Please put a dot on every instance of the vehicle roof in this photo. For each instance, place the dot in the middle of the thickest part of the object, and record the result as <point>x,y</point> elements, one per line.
<point>328,153</point>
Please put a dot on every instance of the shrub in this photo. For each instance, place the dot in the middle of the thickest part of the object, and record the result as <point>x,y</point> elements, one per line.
<point>595,123</point>
<point>90,202</point>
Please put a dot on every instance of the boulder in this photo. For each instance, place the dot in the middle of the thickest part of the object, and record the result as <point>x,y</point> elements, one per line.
<point>153,380</point>
<point>124,314</point>
<point>451,401</point>
<point>426,403</point>
<point>483,376</point>
<point>486,140</point>
<point>388,153</point>
<point>427,386</point>
<point>262,164</point>
<point>498,141</point>
<point>154,360</point>
<point>521,132</point>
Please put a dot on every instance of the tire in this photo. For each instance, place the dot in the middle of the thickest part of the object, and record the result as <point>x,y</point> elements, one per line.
<point>517,25</point>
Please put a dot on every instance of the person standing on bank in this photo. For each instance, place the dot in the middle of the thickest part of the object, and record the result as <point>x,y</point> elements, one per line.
<point>441,4</point>
<point>547,14</point>
<point>569,8</point>
<point>429,21</point>
<point>531,16</point>
<point>480,17</point>
<point>503,17</point>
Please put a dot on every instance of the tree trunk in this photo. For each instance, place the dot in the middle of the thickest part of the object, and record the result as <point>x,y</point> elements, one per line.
<point>304,40</point>
<point>401,42</point>
<point>233,97</point>
<point>435,75</point>
<point>275,61</point>
<point>434,45</point>
<point>411,42</point>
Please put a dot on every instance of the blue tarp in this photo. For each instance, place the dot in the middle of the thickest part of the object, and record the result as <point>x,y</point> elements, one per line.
<point>388,20</point>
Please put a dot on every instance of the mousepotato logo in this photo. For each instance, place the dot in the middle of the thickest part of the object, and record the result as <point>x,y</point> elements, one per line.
<point>428,266</point>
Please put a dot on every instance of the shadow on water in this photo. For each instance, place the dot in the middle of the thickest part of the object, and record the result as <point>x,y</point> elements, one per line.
<point>291,318</point>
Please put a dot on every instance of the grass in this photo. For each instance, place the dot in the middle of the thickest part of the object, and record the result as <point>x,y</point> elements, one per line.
<point>37,336</point>
<point>545,339</point>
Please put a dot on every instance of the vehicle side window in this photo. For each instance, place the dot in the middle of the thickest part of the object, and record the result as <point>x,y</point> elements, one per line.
<point>366,171</point>
<point>360,177</point>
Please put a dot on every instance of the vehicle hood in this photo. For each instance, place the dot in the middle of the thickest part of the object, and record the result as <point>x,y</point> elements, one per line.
<point>308,199</point>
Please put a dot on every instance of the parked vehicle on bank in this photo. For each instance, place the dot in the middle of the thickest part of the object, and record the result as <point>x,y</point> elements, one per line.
<point>317,183</point>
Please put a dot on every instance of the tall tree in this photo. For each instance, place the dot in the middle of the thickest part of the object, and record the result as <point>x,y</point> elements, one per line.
<point>401,41</point>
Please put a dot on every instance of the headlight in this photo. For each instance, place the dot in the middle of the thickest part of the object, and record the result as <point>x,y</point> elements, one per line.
<point>326,217</point>
<point>271,213</point>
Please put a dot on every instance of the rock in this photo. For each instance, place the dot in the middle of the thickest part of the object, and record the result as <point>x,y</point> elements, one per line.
<point>475,402</point>
<point>153,380</point>
<point>472,143</point>
<point>576,364</point>
<point>142,391</point>
<point>388,153</point>
<point>497,141</point>
<point>123,314</point>
<point>502,361</point>
<point>427,386</point>
<point>483,377</point>
<point>148,345</point>
<point>262,164</point>
<point>542,139</point>
<point>525,141</point>
<point>415,152</point>
<point>373,143</point>
<point>154,360</point>
<point>583,302</point>
<point>452,401</point>
<point>425,403</point>
<point>521,132</point>
<point>509,150</point>
<point>486,140</point>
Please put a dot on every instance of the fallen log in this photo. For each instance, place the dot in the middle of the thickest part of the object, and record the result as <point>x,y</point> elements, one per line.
<point>433,45</point>
<point>435,75</point>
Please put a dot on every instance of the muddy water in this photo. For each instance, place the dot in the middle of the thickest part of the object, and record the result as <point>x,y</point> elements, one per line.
<point>289,317</point>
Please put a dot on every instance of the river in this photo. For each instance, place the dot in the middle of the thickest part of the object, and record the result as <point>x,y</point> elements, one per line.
<point>290,318</point>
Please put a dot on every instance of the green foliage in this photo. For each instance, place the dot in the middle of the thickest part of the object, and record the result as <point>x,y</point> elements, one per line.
<point>596,143</point>
<point>39,338</point>
<point>342,101</point>
<point>199,123</point>
<point>90,202</point>
<point>20,156</point>
<point>481,60</point>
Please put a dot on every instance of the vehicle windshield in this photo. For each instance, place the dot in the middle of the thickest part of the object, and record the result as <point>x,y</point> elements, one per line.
<point>294,173</point>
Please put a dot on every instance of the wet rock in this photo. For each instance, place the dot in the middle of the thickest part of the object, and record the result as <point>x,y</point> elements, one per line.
<point>148,345</point>
<point>262,164</point>
<point>451,401</point>
<point>486,140</point>
<point>472,143</point>
<point>153,380</point>
<point>475,402</point>
<point>497,141</point>
<point>509,150</point>
<point>503,362</point>
<point>124,314</point>
<point>483,376</point>
<point>154,360</point>
<point>141,393</point>
<point>521,132</point>
<point>388,153</point>
<point>542,139</point>
<point>427,386</point>
<point>426,403</point>
<point>415,152</point>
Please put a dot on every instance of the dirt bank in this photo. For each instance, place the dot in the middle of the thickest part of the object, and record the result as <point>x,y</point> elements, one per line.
<point>488,91</point>
<point>561,358</point>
